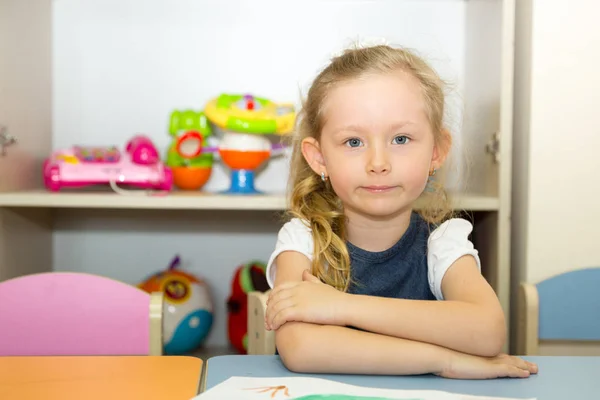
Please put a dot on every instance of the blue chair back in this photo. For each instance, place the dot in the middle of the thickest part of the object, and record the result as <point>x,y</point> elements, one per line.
<point>569,306</point>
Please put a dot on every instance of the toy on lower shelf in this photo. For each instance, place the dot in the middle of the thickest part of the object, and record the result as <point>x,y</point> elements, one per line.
<point>247,278</point>
<point>139,165</point>
<point>191,166</point>
<point>188,312</point>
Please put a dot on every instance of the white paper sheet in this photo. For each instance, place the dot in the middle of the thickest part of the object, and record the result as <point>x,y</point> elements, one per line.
<point>299,388</point>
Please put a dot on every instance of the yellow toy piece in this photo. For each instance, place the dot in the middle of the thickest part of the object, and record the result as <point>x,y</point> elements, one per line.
<point>250,114</point>
<point>68,159</point>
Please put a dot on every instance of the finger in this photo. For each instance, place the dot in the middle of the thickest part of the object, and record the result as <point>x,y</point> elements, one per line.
<point>505,371</point>
<point>518,362</point>
<point>272,308</point>
<point>267,318</point>
<point>287,314</point>
<point>523,364</point>
<point>532,367</point>
<point>283,294</point>
<point>269,314</point>
<point>279,288</point>
<point>275,320</point>
<point>512,371</point>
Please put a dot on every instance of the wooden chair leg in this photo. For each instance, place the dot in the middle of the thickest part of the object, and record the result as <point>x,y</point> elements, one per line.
<point>260,341</point>
<point>156,324</point>
<point>528,320</point>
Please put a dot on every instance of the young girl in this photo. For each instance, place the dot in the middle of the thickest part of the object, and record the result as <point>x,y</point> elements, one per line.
<point>358,271</point>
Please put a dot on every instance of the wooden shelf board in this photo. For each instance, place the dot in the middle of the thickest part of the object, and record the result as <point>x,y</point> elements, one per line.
<point>183,201</point>
<point>173,201</point>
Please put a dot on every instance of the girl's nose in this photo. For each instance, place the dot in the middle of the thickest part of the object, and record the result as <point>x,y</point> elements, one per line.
<point>379,162</point>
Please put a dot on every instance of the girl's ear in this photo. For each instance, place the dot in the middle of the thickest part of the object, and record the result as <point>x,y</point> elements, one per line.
<point>311,150</point>
<point>441,149</point>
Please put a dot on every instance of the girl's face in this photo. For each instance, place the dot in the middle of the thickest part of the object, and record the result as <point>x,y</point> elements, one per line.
<point>376,146</point>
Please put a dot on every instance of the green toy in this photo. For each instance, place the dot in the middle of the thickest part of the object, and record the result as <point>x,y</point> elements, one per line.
<point>186,122</point>
<point>187,156</point>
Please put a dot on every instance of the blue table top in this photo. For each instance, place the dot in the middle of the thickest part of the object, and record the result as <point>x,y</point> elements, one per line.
<point>559,378</point>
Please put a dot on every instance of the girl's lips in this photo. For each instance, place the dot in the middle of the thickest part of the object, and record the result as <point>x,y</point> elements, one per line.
<point>378,189</point>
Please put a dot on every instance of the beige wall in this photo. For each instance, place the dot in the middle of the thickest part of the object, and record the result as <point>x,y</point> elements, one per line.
<point>557,138</point>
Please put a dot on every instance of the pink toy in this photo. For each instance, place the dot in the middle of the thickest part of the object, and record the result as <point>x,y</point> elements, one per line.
<point>66,313</point>
<point>79,166</point>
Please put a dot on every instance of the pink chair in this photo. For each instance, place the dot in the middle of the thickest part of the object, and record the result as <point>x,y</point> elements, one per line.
<point>65,313</point>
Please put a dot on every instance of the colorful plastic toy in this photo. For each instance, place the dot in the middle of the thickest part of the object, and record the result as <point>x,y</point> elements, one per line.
<point>246,120</point>
<point>188,314</point>
<point>191,167</point>
<point>244,153</point>
<point>250,114</point>
<point>139,165</point>
<point>247,278</point>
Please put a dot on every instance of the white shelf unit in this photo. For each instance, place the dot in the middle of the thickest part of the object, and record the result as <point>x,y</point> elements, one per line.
<point>172,201</point>
<point>183,200</point>
<point>67,65</point>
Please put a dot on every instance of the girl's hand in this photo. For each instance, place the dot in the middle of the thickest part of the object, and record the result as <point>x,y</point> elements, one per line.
<point>465,366</point>
<point>307,301</point>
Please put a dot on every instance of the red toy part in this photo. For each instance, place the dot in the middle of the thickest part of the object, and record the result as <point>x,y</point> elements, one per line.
<point>247,278</point>
<point>189,145</point>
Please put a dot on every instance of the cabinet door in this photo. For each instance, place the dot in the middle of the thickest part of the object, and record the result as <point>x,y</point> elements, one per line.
<point>25,114</point>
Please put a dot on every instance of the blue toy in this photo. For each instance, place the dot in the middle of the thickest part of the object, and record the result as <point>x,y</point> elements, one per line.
<point>188,308</point>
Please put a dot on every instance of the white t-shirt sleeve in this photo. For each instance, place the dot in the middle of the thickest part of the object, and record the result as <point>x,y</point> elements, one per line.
<point>446,244</point>
<point>295,235</point>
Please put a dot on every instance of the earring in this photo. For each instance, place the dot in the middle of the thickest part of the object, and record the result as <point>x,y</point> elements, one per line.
<point>429,187</point>
<point>323,177</point>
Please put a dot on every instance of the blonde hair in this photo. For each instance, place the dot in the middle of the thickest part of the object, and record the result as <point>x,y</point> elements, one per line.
<point>313,200</point>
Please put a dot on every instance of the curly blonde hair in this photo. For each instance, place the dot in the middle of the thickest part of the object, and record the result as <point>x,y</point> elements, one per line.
<point>313,200</point>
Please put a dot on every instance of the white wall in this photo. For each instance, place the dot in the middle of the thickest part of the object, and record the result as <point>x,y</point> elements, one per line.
<point>121,66</point>
<point>556,204</point>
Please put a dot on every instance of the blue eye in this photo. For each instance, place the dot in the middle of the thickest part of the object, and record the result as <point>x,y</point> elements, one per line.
<point>353,142</point>
<point>401,140</point>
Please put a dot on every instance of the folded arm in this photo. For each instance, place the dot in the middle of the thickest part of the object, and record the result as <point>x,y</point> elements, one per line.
<point>470,319</point>
<point>313,348</point>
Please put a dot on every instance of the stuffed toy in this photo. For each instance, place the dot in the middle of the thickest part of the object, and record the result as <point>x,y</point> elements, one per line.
<point>247,278</point>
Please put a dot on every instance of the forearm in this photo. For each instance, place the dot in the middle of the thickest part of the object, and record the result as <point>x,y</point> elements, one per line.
<point>462,326</point>
<point>312,348</point>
